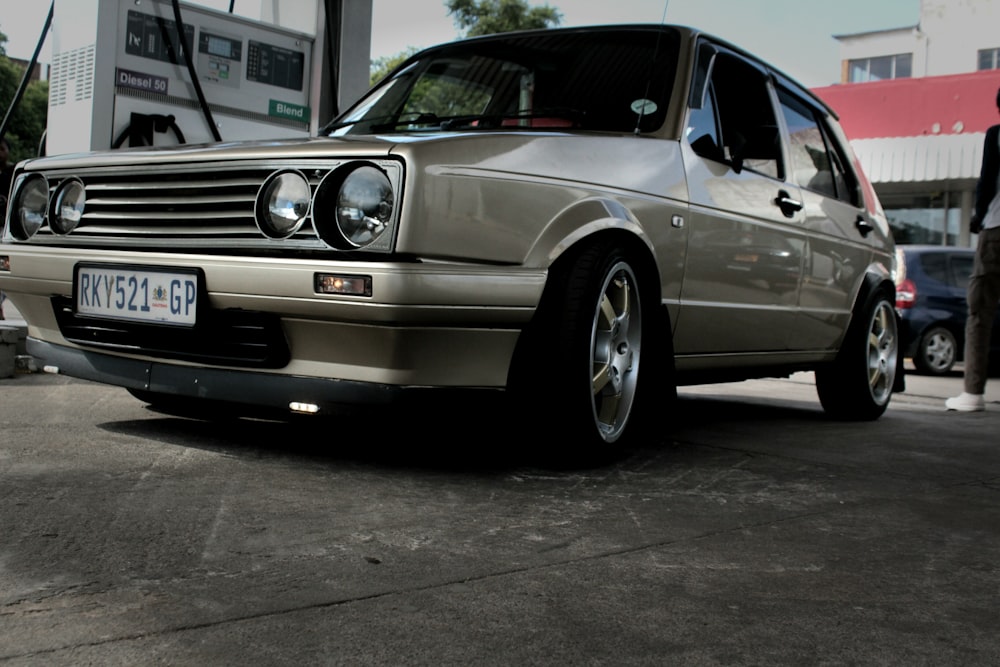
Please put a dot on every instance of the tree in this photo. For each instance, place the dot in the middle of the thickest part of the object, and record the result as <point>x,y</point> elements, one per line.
<point>479,17</point>
<point>381,67</point>
<point>487,17</point>
<point>27,123</point>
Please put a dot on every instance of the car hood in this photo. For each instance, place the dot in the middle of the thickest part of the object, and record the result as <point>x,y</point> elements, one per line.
<point>278,149</point>
<point>370,146</point>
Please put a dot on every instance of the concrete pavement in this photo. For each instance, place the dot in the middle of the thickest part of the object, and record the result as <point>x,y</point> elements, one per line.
<point>745,529</point>
<point>13,332</point>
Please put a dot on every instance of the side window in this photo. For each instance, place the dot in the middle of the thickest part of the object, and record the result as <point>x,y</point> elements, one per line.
<point>736,122</point>
<point>703,129</point>
<point>843,178</point>
<point>935,266</point>
<point>961,270</point>
<point>816,163</point>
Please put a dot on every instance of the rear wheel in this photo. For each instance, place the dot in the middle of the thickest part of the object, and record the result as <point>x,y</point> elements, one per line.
<point>936,352</point>
<point>858,385</point>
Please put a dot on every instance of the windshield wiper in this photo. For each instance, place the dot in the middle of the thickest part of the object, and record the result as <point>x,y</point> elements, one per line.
<point>429,122</point>
<point>339,125</point>
<point>491,121</point>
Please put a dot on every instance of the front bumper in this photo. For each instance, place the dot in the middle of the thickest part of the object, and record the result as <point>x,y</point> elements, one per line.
<point>426,324</point>
<point>251,388</point>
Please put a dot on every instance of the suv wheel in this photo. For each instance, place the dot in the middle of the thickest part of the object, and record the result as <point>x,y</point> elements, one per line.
<point>936,352</point>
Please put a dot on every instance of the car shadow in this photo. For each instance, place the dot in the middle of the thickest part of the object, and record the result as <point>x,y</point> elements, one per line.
<point>473,436</point>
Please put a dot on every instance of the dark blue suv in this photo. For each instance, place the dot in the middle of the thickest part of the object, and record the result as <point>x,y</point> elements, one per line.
<point>931,302</point>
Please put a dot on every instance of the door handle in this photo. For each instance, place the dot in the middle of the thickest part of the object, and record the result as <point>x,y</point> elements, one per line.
<point>789,207</point>
<point>864,226</point>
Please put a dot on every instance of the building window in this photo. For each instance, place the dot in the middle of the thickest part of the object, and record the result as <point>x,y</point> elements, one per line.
<point>928,220</point>
<point>989,59</point>
<point>899,66</point>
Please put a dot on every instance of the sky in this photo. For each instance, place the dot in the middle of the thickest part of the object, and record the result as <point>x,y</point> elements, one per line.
<point>794,35</point>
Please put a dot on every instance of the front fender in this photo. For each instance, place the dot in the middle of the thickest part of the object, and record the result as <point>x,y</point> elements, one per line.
<point>580,220</point>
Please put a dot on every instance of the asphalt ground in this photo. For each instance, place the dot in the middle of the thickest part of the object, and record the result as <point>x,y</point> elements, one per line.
<point>747,528</point>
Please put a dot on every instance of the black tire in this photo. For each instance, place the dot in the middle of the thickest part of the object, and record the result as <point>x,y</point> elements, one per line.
<point>859,384</point>
<point>587,343</point>
<point>936,352</point>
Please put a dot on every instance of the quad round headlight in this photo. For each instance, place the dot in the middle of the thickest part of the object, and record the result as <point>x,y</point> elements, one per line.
<point>30,204</point>
<point>67,208</point>
<point>354,208</point>
<point>364,206</point>
<point>283,204</point>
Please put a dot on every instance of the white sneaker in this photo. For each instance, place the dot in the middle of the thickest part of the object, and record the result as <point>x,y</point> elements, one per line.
<point>966,402</point>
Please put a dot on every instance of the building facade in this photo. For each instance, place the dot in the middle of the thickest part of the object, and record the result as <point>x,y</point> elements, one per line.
<point>916,102</point>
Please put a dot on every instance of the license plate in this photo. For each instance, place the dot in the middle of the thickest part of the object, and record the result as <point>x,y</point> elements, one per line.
<point>137,294</point>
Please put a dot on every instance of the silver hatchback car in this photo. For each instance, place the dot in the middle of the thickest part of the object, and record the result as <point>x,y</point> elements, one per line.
<point>585,218</point>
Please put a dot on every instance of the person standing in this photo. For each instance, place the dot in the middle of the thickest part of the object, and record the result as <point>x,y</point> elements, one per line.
<point>6,171</point>
<point>984,284</point>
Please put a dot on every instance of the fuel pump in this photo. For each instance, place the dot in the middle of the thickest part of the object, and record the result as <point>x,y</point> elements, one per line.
<point>163,72</point>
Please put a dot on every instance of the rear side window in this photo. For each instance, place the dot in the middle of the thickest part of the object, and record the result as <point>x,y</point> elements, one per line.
<point>816,162</point>
<point>935,266</point>
<point>952,269</point>
<point>961,269</point>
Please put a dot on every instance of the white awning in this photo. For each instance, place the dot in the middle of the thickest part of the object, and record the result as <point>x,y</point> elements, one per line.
<point>931,158</point>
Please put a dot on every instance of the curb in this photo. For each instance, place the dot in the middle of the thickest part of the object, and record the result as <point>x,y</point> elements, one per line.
<point>9,337</point>
<point>14,357</point>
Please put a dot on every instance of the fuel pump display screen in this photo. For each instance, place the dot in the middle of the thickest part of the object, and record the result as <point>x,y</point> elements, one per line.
<point>275,66</point>
<point>222,47</point>
<point>156,38</point>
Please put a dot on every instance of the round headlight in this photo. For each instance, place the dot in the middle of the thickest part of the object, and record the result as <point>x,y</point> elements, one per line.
<point>30,204</point>
<point>67,211</point>
<point>364,206</point>
<point>283,204</point>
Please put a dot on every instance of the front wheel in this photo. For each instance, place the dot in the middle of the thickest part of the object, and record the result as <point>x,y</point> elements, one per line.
<point>615,344</point>
<point>589,344</point>
<point>858,385</point>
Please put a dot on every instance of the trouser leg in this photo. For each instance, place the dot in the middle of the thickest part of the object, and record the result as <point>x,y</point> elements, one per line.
<point>983,294</point>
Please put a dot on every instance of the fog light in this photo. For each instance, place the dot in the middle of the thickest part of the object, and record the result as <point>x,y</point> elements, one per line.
<point>329,283</point>
<point>4,263</point>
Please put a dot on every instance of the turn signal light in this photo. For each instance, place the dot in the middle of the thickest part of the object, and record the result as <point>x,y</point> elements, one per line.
<point>330,283</point>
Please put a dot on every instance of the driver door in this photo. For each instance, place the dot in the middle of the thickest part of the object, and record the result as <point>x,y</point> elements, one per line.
<point>745,252</point>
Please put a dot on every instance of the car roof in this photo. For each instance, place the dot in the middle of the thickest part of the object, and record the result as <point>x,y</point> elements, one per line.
<point>687,34</point>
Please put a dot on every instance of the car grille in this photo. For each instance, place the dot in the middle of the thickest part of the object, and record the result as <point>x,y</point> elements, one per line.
<point>179,207</point>
<point>228,337</point>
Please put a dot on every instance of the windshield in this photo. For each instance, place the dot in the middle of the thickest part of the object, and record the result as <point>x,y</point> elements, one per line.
<point>615,80</point>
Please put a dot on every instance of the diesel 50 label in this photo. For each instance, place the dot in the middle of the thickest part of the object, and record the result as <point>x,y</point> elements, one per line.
<point>138,81</point>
